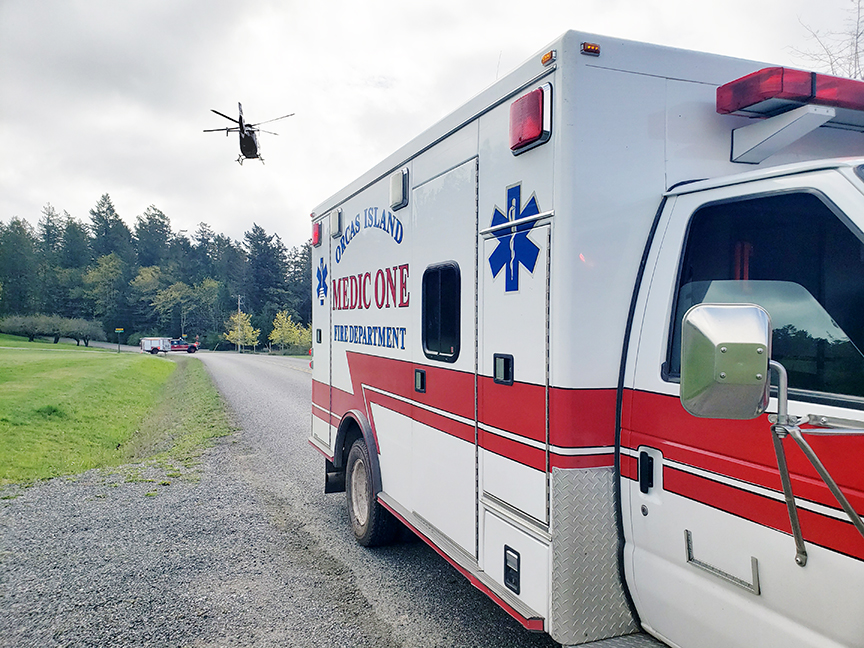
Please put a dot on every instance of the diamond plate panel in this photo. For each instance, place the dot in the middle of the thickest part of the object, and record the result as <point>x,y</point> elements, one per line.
<point>640,640</point>
<point>588,600</point>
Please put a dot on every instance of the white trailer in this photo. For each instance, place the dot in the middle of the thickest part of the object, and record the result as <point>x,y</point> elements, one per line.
<point>498,311</point>
<point>155,344</point>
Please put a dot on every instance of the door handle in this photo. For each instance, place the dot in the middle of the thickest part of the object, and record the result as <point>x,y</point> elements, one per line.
<point>646,472</point>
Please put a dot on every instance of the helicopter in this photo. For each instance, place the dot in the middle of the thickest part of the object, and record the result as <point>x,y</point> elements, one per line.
<point>249,148</point>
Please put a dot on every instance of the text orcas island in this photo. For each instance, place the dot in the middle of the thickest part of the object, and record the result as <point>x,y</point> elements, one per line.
<point>371,218</point>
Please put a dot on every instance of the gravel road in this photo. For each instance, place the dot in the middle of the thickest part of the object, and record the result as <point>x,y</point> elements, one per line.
<point>251,554</point>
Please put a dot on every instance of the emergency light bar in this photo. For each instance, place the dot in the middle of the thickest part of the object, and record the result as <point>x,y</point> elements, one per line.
<point>776,90</point>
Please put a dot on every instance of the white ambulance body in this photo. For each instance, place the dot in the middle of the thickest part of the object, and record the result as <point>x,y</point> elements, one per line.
<point>155,344</point>
<point>497,311</point>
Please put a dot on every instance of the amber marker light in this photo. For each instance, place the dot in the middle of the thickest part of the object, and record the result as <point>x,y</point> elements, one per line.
<point>590,49</point>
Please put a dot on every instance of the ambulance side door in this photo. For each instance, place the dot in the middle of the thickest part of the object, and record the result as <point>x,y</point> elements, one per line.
<point>709,557</point>
<point>323,428</point>
<point>444,452</point>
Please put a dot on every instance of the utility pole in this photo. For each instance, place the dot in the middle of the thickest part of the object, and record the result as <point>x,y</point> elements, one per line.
<point>239,298</point>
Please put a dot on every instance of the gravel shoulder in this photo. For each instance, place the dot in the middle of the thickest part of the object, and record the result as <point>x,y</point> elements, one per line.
<point>101,561</point>
<point>249,552</point>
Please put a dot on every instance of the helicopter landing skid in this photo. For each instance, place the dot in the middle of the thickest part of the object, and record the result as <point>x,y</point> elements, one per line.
<point>242,157</point>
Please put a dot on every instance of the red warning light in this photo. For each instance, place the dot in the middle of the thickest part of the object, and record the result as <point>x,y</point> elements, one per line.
<point>316,234</point>
<point>526,119</point>
<point>530,119</point>
<point>775,90</point>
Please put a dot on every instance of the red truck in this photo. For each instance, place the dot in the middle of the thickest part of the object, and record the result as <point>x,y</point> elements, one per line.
<point>178,344</point>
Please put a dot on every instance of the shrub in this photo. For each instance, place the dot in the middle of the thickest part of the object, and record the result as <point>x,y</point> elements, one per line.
<point>33,326</point>
<point>28,326</point>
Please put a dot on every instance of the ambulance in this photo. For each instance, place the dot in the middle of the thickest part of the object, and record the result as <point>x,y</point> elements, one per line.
<point>596,337</point>
<point>154,345</point>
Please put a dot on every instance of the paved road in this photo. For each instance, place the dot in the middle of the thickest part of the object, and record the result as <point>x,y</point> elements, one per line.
<point>403,595</point>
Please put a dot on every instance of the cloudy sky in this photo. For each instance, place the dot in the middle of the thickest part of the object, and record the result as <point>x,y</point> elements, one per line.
<point>111,96</point>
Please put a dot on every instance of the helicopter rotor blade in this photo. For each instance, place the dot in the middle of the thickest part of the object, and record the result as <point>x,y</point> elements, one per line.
<point>225,116</point>
<point>230,129</point>
<point>271,120</point>
<point>261,130</point>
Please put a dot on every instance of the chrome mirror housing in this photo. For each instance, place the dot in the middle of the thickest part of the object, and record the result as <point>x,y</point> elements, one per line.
<point>725,351</point>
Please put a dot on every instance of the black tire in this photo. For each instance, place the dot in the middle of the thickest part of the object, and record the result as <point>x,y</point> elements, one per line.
<point>372,524</point>
<point>191,349</point>
<point>154,351</point>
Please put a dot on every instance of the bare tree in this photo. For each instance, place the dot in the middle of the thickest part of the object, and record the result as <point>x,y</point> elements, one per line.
<point>839,52</point>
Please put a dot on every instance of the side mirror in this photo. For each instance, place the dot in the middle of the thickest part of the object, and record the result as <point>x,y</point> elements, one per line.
<point>725,351</point>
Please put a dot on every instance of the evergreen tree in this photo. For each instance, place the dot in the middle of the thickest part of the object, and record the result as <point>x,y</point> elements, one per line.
<point>110,233</point>
<point>152,237</point>
<point>300,283</point>
<point>267,286</point>
<point>207,312</point>
<point>180,263</point>
<point>229,266</point>
<point>49,234</point>
<point>143,290</point>
<point>73,257</point>
<point>74,270</point>
<point>175,304</point>
<point>74,244</point>
<point>105,287</point>
<point>18,268</point>
<point>203,253</point>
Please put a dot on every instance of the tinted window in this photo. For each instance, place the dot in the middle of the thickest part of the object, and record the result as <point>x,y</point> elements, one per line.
<point>795,257</point>
<point>441,312</point>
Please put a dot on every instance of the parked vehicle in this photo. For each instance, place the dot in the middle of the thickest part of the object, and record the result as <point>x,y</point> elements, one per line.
<point>179,344</point>
<point>500,309</point>
<point>155,344</point>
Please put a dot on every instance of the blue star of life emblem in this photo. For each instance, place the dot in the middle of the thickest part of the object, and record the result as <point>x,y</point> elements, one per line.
<point>322,280</point>
<point>514,247</point>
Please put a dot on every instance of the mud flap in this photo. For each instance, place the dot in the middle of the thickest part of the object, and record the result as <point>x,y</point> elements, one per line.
<point>334,479</point>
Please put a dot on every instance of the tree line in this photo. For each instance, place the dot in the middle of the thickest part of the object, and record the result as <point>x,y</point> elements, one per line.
<point>149,280</point>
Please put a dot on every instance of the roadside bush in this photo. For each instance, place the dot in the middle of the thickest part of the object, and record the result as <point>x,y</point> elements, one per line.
<point>82,330</point>
<point>52,326</point>
<point>28,326</point>
<point>293,350</point>
<point>214,342</point>
<point>33,326</point>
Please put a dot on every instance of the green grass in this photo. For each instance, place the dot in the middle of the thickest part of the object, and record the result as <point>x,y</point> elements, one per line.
<point>65,413</point>
<point>17,342</point>
<point>189,415</point>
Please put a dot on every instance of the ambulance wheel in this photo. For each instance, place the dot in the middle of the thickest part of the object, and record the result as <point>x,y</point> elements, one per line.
<point>372,524</point>
<point>154,351</point>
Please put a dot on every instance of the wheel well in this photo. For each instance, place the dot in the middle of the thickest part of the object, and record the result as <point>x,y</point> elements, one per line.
<point>352,433</point>
<point>355,426</point>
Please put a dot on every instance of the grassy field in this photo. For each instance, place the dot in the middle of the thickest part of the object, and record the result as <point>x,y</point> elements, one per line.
<point>66,409</point>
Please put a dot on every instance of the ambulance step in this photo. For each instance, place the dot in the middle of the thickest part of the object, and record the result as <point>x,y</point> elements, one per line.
<point>640,640</point>
<point>465,563</point>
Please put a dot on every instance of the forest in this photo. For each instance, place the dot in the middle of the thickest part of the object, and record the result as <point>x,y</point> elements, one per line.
<point>150,280</point>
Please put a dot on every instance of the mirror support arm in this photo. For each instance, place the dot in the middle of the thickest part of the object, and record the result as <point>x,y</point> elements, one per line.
<point>795,433</point>
<point>779,431</point>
